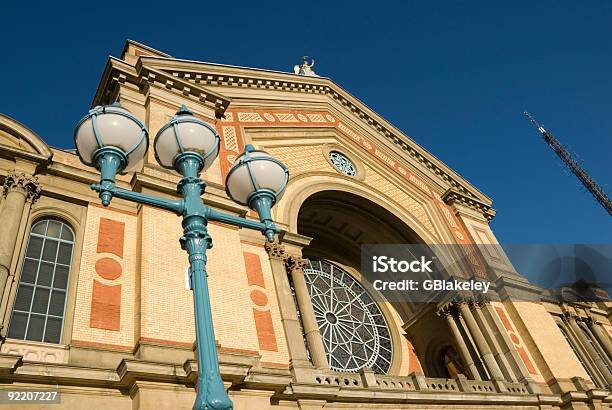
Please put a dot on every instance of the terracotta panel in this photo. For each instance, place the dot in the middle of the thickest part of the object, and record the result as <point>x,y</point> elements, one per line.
<point>108,268</point>
<point>253,269</point>
<point>110,237</point>
<point>105,306</point>
<point>265,330</point>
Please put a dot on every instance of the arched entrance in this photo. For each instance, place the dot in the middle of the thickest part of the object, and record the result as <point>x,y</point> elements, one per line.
<point>340,222</point>
<point>358,329</point>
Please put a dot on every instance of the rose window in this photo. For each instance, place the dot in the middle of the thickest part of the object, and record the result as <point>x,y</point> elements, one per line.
<point>342,163</point>
<point>354,331</point>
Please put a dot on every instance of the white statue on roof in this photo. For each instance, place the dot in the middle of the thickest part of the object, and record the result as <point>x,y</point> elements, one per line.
<point>305,68</point>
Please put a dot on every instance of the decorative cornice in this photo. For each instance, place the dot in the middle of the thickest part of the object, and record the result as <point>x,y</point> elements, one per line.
<point>21,182</point>
<point>119,72</point>
<point>452,196</point>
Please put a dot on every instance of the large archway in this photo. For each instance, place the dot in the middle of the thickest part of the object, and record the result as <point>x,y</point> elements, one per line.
<point>338,223</point>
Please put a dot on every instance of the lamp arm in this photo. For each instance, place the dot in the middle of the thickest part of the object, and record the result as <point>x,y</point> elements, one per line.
<point>176,206</point>
<point>229,219</point>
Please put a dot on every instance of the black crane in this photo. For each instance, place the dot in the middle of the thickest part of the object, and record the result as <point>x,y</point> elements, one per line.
<point>573,165</point>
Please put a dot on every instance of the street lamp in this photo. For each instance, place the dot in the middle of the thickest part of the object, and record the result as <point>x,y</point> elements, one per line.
<point>111,139</point>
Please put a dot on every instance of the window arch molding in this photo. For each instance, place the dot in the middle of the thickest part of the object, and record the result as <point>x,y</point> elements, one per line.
<point>74,216</point>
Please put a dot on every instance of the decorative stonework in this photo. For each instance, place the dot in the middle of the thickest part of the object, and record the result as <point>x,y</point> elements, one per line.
<point>36,351</point>
<point>342,164</point>
<point>452,196</point>
<point>296,263</point>
<point>28,185</point>
<point>275,250</point>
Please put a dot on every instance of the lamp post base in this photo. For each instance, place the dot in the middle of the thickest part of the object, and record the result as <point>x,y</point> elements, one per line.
<point>216,397</point>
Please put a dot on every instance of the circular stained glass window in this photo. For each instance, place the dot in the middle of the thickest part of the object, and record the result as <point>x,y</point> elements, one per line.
<point>354,331</point>
<point>342,163</point>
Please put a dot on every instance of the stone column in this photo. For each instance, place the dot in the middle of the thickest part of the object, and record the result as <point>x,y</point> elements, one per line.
<point>448,312</point>
<point>593,354</point>
<point>481,343</point>
<point>602,337</point>
<point>309,321</point>
<point>20,189</point>
<point>490,336</point>
<point>288,312</point>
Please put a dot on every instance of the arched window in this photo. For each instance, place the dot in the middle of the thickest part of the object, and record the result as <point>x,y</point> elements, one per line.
<point>578,355</point>
<point>354,331</point>
<point>38,312</point>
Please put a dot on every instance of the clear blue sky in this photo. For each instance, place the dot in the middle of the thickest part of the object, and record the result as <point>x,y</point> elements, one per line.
<point>455,76</point>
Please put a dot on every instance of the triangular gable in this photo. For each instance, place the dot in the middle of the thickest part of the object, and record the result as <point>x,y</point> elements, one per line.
<point>196,79</point>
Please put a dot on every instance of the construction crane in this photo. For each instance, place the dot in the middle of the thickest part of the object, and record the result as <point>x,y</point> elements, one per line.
<point>588,182</point>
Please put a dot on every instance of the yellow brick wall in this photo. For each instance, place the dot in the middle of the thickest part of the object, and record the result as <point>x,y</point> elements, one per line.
<point>167,306</point>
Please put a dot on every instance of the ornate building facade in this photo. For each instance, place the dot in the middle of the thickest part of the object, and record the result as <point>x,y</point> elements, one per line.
<point>94,300</point>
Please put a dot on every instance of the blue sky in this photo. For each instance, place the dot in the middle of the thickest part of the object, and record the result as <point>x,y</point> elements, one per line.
<point>455,76</point>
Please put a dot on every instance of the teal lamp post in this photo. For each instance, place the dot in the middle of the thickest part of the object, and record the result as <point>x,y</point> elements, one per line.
<point>111,139</point>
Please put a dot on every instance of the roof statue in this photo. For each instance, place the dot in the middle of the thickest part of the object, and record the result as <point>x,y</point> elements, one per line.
<point>305,68</point>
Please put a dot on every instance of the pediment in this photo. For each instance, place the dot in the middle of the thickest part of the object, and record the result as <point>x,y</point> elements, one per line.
<point>14,136</point>
<point>216,85</point>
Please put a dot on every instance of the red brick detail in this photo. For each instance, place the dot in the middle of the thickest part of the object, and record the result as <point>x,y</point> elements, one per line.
<point>265,330</point>
<point>521,351</point>
<point>110,237</point>
<point>108,268</point>
<point>258,297</point>
<point>253,269</point>
<point>515,339</point>
<point>105,306</point>
<point>226,156</point>
<point>85,343</point>
<point>414,365</point>
<point>504,318</point>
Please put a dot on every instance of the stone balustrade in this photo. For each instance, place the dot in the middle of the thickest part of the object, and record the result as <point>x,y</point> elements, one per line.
<point>366,378</point>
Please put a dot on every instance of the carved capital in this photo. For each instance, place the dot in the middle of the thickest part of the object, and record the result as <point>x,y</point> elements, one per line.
<point>569,316</point>
<point>21,182</point>
<point>462,298</point>
<point>296,263</point>
<point>480,301</point>
<point>448,310</point>
<point>276,250</point>
<point>590,321</point>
